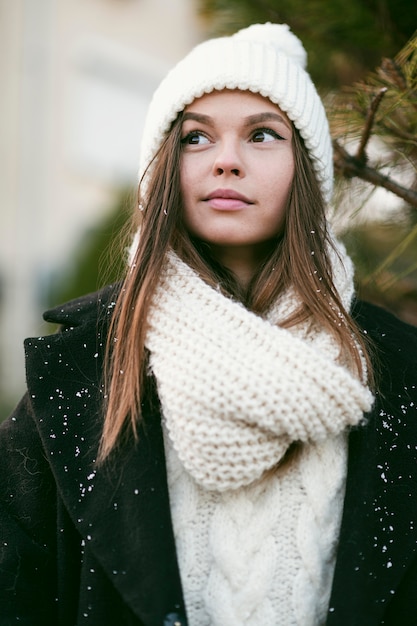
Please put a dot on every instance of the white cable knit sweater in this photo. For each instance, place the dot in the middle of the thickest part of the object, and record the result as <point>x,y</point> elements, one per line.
<point>236,390</point>
<point>261,555</point>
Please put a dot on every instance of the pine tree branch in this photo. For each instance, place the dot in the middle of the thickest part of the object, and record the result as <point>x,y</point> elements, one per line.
<point>370,117</point>
<point>351,166</point>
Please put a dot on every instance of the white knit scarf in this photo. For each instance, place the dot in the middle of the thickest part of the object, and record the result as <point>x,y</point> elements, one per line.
<point>236,389</point>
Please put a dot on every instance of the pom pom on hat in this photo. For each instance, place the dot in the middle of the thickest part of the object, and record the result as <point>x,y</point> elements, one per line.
<point>279,36</point>
<point>264,58</point>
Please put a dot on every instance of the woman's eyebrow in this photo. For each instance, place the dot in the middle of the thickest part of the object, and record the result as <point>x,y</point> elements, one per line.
<point>267,116</point>
<point>197,117</point>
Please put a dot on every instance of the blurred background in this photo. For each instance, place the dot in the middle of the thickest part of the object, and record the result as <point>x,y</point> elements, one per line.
<point>76,79</point>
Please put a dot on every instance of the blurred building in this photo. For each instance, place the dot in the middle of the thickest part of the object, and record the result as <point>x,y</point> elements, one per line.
<point>76,78</point>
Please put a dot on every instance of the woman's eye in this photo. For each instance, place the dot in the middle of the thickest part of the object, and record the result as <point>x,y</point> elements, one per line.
<point>194,138</point>
<point>264,135</point>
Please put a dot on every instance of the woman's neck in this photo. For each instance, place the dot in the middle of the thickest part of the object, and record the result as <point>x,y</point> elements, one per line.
<point>243,261</point>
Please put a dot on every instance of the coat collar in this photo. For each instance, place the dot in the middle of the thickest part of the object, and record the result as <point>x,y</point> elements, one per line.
<point>120,509</point>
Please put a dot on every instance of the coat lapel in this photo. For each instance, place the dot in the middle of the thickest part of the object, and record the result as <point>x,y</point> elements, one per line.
<point>378,540</point>
<point>129,529</point>
<point>121,509</point>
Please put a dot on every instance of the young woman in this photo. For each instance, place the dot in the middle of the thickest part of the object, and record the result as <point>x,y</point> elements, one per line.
<point>227,438</point>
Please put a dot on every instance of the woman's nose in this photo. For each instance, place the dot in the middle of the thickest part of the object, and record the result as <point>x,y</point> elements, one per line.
<point>228,159</point>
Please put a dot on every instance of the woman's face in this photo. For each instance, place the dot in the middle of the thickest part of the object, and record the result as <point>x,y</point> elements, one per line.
<point>237,166</point>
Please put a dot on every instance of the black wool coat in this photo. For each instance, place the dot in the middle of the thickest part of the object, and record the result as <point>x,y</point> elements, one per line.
<point>94,546</point>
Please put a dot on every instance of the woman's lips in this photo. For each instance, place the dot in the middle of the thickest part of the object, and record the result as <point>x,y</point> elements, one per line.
<point>227,200</point>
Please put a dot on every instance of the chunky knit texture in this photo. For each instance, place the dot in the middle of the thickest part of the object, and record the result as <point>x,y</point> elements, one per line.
<point>236,390</point>
<point>254,547</point>
<point>262,554</point>
<point>265,58</point>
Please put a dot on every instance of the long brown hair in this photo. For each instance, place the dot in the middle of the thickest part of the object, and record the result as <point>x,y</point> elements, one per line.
<point>300,259</point>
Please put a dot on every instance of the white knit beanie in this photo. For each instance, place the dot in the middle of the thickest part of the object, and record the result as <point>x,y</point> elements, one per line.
<point>265,58</point>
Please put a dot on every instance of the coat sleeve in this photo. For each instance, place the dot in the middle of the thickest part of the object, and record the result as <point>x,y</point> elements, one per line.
<point>27,524</point>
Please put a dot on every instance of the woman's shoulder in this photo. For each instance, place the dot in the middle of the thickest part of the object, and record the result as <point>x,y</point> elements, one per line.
<point>91,307</point>
<point>386,329</point>
<point>393,351</point>
<point>78,324</point>
<point>70,361</point>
